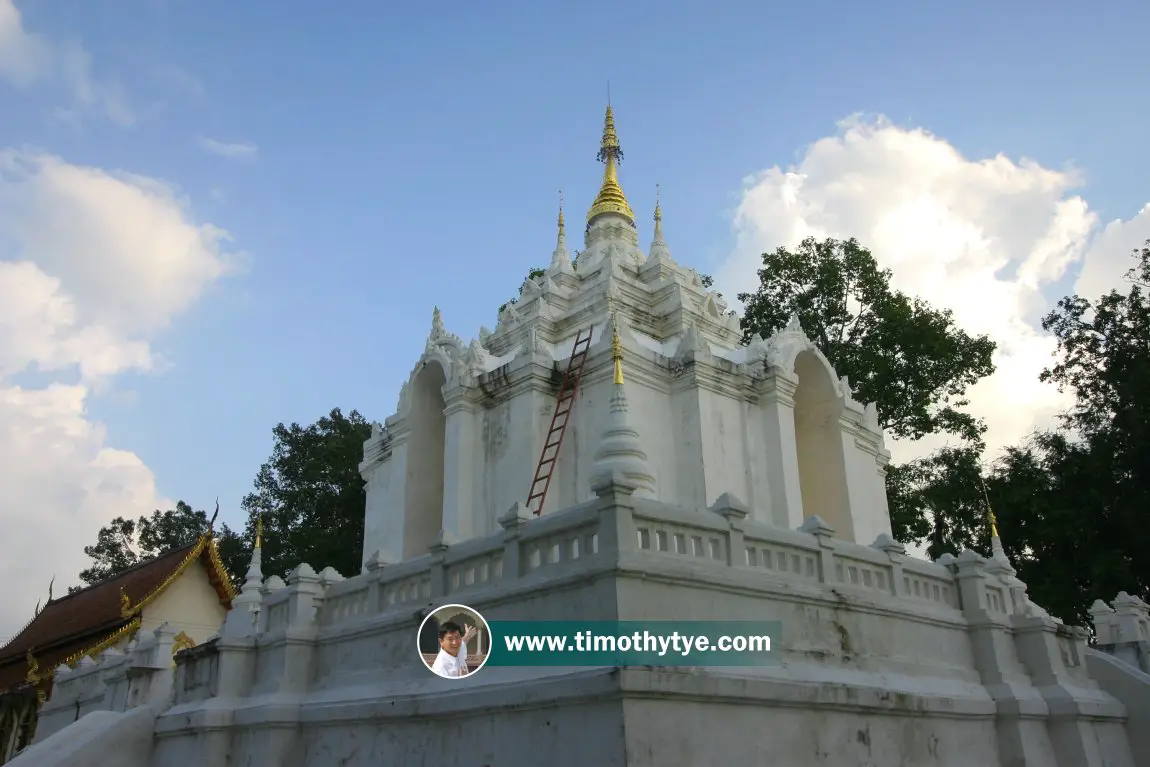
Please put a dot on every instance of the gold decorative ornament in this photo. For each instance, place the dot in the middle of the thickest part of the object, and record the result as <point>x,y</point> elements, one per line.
<point>610,198</point>
<point>33,676</point>
<point>989,511</point>
<point>182,642</point>
<point>120,633</point>
<point>125,604</point>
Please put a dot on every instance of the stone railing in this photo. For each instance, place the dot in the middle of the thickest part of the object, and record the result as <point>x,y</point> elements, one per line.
<point>1122,629</point>
<point>117,680</point>
<point>197,672</point>
<point>722,536</point>
<point>810,554</point>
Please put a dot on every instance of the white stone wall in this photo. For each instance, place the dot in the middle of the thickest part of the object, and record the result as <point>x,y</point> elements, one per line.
<point>882,657</point>
<point>713,416</point>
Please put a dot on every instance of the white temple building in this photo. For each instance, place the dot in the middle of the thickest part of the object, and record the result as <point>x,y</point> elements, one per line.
<point>697,478</point>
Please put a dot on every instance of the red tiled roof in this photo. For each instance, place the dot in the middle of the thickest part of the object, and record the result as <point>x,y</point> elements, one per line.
<point>76,622</point>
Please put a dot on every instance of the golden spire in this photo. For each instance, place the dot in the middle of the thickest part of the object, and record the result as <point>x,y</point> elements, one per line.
<point>616,351</point>
<point>989,511</point>
<point>610,198</point>
<point>658,212</point>
<point>562,226</point>
<point>259,529</point>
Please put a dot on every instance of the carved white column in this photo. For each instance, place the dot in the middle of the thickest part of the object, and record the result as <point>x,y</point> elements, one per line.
<point>461,443</point>
<point>781,462</point>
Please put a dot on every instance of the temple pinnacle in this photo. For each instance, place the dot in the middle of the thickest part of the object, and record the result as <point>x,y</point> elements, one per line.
<point>610,198</point>
<point>616,352</point>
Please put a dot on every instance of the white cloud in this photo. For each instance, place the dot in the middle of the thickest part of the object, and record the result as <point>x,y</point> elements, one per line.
<point>982,237</point>
<point>28,59</point>
<point>92,265</point>
<point>240,150</point>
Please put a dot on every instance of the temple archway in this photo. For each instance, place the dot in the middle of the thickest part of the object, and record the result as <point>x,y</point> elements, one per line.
<point>423,495</point>
<point>819,442</point>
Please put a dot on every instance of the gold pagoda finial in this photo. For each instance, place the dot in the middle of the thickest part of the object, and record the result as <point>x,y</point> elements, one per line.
<point>610,198</point>
<point>562,226</point>
<point>259,529</point>
<point>658,212</point>
<point>989,511</point>
<point>616,350</point>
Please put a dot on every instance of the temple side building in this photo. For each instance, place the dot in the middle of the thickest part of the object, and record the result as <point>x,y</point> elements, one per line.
<point>187,591</point>
<point>686,476</point>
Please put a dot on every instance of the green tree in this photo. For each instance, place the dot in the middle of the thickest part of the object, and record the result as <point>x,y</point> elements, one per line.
<point>311,497</point>
<point>127,542</point>
<point>1104,359</point>
<point>898,352</point>
<point>1069,502</point>
<point>938,500</point>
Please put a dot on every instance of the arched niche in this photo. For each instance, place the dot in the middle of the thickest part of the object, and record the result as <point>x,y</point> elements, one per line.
<point>819,443</point>
<point>423,487</point>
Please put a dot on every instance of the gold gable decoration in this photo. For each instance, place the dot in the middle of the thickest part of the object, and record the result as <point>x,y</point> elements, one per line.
<point>94,650</point>
<point>205,543</point>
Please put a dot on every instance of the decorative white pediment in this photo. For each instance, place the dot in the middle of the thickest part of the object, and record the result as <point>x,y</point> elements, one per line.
<point>693,343</point>
<point>785,346</point>
<point>439,338</point>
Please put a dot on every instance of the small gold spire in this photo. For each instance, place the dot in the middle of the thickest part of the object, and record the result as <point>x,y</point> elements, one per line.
<point>259,529</point>
<point>658,212</point>
<point>562,226</point>
<point>989,511</point>
<point>610,198</point>
<point>616,351</point>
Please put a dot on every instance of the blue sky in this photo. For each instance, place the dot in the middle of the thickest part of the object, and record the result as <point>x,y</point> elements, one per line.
<point>410,158</point>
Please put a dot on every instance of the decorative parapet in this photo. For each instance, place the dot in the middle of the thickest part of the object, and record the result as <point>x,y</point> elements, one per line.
<point>1122,629</point>
<point>113,680</point>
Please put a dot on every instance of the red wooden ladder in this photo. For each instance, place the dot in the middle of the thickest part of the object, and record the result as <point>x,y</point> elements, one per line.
<point>563,406</point>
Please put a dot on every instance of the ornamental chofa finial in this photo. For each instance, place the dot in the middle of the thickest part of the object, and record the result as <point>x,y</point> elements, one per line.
<point>125,604</point>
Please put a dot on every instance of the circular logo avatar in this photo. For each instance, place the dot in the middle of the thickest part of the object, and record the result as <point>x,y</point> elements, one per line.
<point>454,641</point>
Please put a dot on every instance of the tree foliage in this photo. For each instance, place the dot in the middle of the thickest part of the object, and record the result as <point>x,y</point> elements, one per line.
<point>533,274</point>
<point>898,352</point>
<point>1069,502</point>
<point>125,543</point>
<point>311,497</point>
